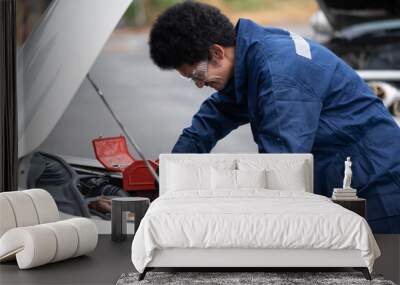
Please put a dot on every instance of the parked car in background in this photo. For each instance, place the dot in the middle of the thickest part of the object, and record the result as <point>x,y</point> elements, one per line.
<point>366,34</point>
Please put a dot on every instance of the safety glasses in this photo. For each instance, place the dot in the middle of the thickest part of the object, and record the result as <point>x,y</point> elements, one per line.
<point>199,73</point>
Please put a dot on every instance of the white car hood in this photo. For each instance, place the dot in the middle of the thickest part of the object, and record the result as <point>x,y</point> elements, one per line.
<point>55,59</point>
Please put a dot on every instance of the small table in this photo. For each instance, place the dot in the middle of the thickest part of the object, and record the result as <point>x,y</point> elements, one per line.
<point>120,206</point>
<point>357,205</point>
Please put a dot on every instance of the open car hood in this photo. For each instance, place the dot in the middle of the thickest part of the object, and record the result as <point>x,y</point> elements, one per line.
<point>55,59</point>
<point>342,13</point>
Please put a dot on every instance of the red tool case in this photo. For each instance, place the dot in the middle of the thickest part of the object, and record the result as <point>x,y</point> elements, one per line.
<point>113,153</point>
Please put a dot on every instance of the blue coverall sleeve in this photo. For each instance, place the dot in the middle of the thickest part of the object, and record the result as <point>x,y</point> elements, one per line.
<point>289,116</point>
<point>218,116</point>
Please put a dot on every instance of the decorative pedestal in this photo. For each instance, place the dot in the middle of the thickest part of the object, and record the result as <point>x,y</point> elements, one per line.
<point>344,193</point>
<point>120,206</point>
<point>357,205</point>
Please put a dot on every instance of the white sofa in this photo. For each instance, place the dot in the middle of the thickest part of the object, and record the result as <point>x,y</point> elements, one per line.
<point>31,232</point>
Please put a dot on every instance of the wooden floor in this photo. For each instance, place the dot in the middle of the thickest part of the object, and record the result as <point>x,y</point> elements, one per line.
<point>103,266</point>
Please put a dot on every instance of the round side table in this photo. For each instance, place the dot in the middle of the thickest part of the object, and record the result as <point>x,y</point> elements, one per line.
<point>120,206</point>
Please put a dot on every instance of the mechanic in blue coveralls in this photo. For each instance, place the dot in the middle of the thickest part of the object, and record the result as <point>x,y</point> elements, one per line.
<point>297,96</point>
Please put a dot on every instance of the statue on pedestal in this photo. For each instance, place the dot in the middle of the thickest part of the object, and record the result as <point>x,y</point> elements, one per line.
<point>347,174</point>
<point>346,192</point>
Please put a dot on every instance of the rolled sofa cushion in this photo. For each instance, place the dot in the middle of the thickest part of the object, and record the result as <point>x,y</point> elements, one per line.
<point>7,218</point>
<point>67,238</point>
<point>87,235</point>
<point>26,208</point>
<point>23,208</point>
<point>45,206</point>
<point>40,244</point>
<point>32,246</point>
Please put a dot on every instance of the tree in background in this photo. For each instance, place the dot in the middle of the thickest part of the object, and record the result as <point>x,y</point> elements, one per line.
<point>144,12</point>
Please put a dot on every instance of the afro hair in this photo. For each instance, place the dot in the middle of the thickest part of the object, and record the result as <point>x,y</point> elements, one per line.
<point>184,33</point>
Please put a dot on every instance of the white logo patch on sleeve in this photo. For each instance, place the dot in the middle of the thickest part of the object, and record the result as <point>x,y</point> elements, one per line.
<point>301,45</point>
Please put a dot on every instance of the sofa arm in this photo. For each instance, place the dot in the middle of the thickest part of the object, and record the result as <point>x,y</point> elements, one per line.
<point>26,208</point>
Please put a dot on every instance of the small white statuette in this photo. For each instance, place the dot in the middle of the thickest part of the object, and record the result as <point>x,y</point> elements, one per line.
<point>345,193</point>
<point>347,174</point>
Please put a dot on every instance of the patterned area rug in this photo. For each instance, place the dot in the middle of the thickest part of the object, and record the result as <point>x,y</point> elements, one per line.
<point>242,278</point>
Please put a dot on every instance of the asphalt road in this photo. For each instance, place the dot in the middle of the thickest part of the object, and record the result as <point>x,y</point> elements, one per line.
<point>153,105</point>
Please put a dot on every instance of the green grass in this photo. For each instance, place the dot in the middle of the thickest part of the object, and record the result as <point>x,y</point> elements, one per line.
<point>163,4</point>
<point>254,5</point>
<point>250,5</point>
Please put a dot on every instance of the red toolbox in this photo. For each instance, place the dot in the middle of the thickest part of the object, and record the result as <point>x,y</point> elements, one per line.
<point>113,153</point>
